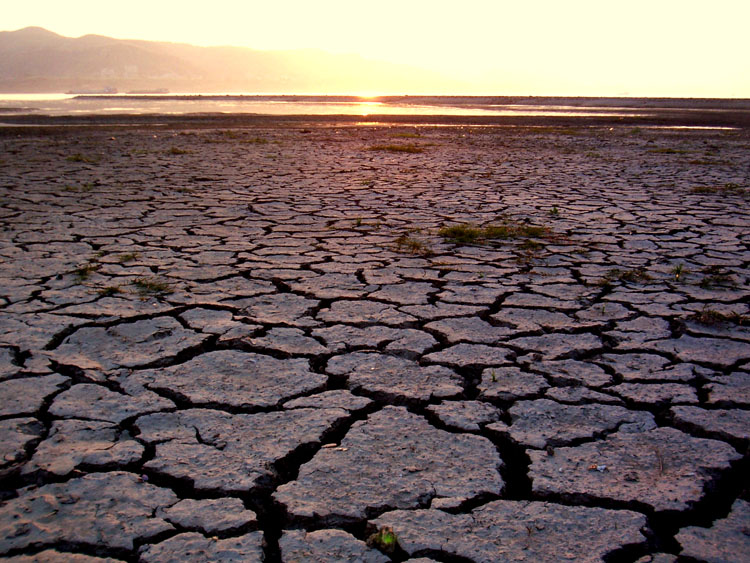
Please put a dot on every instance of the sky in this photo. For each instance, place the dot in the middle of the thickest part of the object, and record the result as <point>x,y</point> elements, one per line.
<point>535,47</point>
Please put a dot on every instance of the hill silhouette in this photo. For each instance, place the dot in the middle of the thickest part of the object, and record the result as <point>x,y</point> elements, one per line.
<point>34,59</point>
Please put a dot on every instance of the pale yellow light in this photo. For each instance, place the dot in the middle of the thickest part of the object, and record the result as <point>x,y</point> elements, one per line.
<point>640,47</point>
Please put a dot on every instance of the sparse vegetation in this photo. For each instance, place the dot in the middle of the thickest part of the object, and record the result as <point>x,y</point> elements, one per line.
<point>87,187</point>
<point>178,150</point>
<point>668,150</point>
<point>679,271</point>
<point>84,271</point>
<point>127,257</point>
<point>711,317</point>
<point>109,291</point>
<point>78,157</point>
<point>384,539</point>
<point>554,212</point>
<point>716,276</point>
<point>148,286</point>
<point>406,243</point>
<point>730,188</point>
<point>468,234</point>
<point>407,148</point>
<point>636,275</point>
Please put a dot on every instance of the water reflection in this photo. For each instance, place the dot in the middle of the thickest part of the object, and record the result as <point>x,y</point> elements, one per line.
<point>175,104</point>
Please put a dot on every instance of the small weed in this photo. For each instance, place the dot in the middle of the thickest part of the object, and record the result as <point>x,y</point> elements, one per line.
<point>711,317</point>
<point>152,286</point>
<point>462,234</point>
<point>405,243</point>
<point>679,271</point>
<point>714,276</point>
<point>531,245</point>
<point>636,275</point>
<point>127,257</point>
<point>467,234</point>
<point>668,150</point>
<point>554,212</point>
<point>358,222</point>
<point>84,272</point>
<point>384,539</point>
<point>109,291</point>
<point>177,150</point>
<point>730,188</point>
<point>78,157</point>
<point>407,135</point>
<point>409,148</point>
<point>87,187</point>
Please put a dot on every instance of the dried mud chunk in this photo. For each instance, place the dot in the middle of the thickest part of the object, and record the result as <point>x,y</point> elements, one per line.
<point>392,376</point>
<point>219,451</point>
<point>197,548</point>
<point>542,423</point>
<point>210,516</point>
<point>394,459</point>
<point>553,346</point>
<point>364,312</point>
<point>464,355</point>
<point>338,398</point>
<point>53,556</point>
<point>95,402</point>
<point>517,531</point>
<point>27,395</point>
<point>239,379</point>
<point>509,383</point>
<point>331,286</point>
<point>72,512</point>
<point>289,341</point>
<point>408,293</point>
<point>469,329</point>
<point>75,443</point>
<point>126,345</point>
<point>724,424</point>
<point>7,365</point>
<point>721,352</point>
<point>411,343</point>
<point>726,541</point>
<point>573,372</point>
<point>732,390</point>
<point>15,435</point>
<point>635,366</point>
<point>339,337</point>
<point>465,415</point>
<point>286,308</point>
<point>662,468</point>
<point>527,320</point>
<point>324,546</point>
<point>656,393</point>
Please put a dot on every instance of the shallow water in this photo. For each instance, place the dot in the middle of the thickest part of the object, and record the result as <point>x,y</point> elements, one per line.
<point>178,104</point>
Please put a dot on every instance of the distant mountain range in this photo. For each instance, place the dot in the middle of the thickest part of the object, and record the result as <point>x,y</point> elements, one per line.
<point>34,59</point>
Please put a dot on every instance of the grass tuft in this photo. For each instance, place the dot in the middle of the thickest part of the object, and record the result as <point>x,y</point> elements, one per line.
<point>468,234</point>
<point>408,148</point>
<point>406,243</point>
<point>148,286</point>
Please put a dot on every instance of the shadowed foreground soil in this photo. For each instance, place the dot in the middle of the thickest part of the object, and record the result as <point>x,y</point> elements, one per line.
<point>265,342</point>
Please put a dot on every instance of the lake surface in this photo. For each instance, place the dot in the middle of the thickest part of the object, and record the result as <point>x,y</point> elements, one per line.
<point>612,111</point>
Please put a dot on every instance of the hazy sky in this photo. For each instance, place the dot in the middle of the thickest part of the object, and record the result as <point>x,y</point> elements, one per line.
<point>565,47</point>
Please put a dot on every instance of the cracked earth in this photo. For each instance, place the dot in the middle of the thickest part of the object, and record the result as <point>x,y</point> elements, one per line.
<point>260,343</point>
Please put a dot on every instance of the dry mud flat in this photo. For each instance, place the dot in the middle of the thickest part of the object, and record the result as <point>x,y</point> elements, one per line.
<point>264,343</point>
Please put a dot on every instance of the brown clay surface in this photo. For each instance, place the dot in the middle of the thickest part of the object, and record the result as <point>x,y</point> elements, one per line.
<point>251,340</point>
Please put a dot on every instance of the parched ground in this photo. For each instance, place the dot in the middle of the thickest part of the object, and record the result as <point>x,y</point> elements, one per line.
<point>268,343</point>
